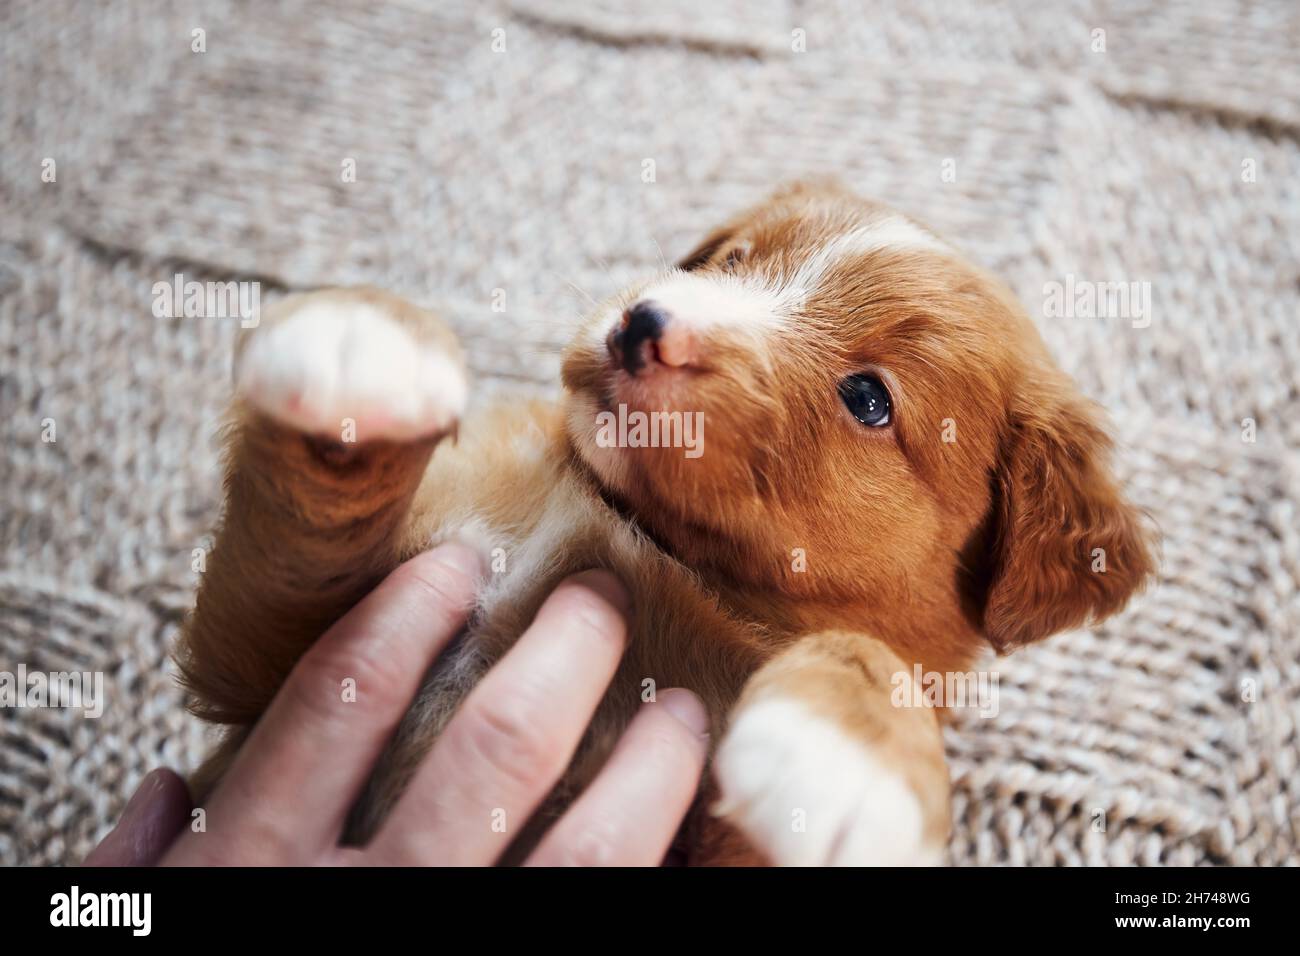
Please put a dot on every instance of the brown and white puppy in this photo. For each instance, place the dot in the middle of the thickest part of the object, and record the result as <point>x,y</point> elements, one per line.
<point>891,472</point>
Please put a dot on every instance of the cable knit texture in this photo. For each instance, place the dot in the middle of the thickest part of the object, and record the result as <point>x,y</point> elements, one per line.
<point>555,149</point>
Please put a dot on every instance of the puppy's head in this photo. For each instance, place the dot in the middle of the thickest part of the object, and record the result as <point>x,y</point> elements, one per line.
<point>825,407</point>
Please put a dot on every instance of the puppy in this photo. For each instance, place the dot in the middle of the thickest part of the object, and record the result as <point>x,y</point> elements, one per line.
<point>877,465</point>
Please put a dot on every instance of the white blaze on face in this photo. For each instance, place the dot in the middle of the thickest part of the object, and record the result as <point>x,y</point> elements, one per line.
<point>893,233</point>
<point>758,303</point>
<point>704,301</point>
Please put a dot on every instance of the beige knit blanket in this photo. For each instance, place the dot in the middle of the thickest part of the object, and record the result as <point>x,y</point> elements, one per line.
<point>555,149</point>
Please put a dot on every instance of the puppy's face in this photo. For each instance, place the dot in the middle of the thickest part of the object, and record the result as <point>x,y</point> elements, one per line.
<point>859,423</point>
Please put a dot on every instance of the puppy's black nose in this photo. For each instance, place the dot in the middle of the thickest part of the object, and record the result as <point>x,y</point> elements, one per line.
<point>643,323</point>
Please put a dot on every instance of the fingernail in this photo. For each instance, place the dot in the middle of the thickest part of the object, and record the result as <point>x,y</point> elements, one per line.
<point>607,586</point>
<point>687,708</point>
<point>459,556</point>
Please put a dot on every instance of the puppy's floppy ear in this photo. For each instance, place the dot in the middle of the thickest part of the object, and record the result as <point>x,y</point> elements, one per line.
<point>706,249</point>
<point>816,188</point>
<point>1059,520</point>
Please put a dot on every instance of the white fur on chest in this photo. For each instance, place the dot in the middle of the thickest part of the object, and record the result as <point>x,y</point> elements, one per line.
<point>518,562</point>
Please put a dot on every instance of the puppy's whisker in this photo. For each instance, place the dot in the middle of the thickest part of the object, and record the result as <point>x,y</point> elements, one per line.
<point>663,260</point>
<point>573,286</point>
<point>604,265</point>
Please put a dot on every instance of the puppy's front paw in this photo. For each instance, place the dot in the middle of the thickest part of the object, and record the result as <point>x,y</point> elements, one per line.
<point>336,361</point>
<point>808,794</point>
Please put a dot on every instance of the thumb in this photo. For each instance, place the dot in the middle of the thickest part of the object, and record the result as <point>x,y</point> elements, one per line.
<point>154,816</point>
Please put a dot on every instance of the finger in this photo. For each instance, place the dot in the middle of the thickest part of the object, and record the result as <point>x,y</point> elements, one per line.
<point>153,817</point>
<point>515,733</point>
<point>286,795</point>
<point>630,814</point>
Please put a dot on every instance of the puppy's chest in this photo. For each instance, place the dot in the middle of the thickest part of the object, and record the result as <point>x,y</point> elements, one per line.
<point>679,633</point>
<point>509,489</point>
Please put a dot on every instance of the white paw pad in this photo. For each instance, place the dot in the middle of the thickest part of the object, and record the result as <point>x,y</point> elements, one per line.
<point>345,369</point>
<point>808,794</point>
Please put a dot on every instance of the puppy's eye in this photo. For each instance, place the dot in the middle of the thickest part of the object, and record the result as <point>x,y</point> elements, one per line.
<point>867,398</point>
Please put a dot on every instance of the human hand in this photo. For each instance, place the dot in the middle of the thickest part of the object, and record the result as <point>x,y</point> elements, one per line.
<point>287,793</point>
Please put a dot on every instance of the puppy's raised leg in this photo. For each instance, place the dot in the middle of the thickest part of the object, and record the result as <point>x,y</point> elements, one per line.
<point>819,767</point>
<point>342,397</point>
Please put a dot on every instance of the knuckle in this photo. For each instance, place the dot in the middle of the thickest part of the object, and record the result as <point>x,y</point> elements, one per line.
<point>445,588</point>
<point>509,733</point>
<point>264,841</point>
<point>252,840</point>
<point>319,684</point>
<point>597,843</point>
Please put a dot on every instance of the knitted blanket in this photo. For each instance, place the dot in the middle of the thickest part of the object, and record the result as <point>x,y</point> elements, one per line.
<point>532,153</point>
